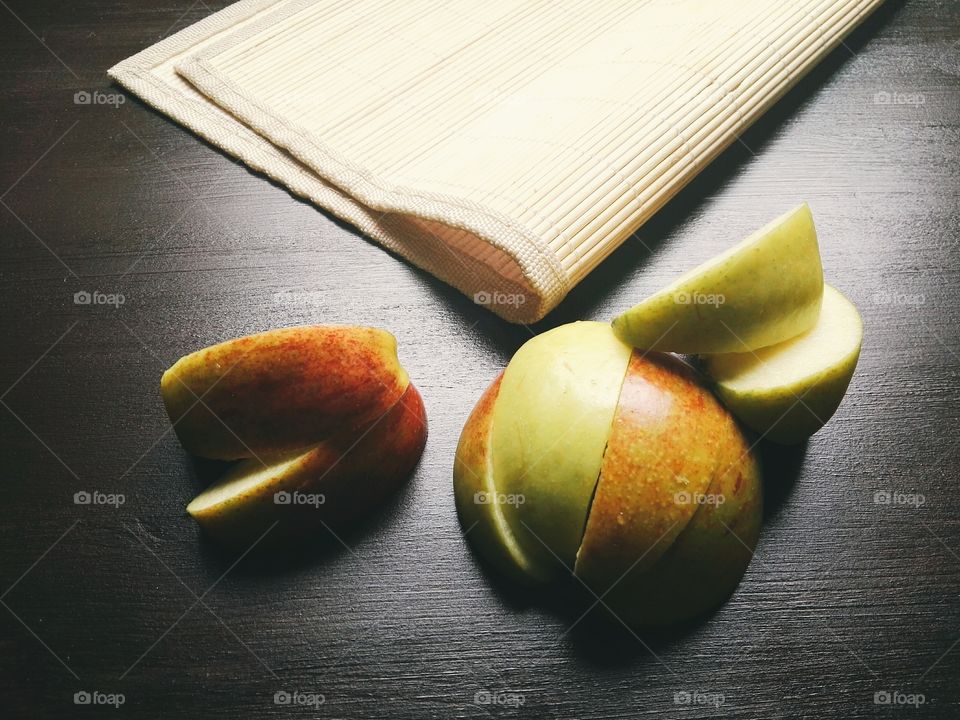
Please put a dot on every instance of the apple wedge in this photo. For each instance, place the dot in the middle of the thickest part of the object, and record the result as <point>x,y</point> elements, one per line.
<point>283,390</point>
<point>760,292</point>
<point>551,422</point>
<point>678,504</point>
<point>788,391</point>
<point>333,483</point>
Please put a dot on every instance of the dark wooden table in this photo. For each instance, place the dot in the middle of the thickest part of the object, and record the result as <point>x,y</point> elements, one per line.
<point>848,596</point>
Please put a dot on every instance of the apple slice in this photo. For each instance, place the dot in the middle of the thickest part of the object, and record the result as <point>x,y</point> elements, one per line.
<point>283,390</point>
<point>788,391</point>
<point>551,422</point>
<point>760,292</point>
<point>335,482</point>
<point>677,508</point>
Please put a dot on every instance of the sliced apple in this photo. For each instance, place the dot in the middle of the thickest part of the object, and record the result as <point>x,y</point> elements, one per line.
<point>788,391</point>
<point>551,423</point>
<point>631,473</point>
<point>333,483</point>
<point>760,292</point>
<point>282,390</point>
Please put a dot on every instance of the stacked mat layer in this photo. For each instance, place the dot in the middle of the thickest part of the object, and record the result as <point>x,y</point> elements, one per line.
<point>506,147</point>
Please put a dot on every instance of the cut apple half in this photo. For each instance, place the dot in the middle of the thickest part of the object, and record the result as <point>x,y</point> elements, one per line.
<point>620,466</point>
<point>760,292</point>
<point>788,391</point>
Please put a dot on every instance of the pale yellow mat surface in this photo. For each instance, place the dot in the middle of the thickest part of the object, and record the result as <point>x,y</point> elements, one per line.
<point>505,147</point>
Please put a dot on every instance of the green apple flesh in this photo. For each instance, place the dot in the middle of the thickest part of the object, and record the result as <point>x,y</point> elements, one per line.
<point>550,425</point>
<point>788,391</point>
<point>762,291</point>
<point>281,391</point>
<point>333,483</point>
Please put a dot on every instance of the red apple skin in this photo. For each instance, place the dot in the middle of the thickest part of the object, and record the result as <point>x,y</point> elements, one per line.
<point>653,557</point>
<point>471,468</point>
<point>374,466</point>
<point>282,390</point>
<point>355,473</point>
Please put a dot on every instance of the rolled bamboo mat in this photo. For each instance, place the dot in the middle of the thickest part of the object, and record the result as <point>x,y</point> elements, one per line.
<point>506,147</point>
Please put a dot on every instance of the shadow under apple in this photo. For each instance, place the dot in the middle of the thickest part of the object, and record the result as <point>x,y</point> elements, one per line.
<point>597,636</point>
<point>782,465</point>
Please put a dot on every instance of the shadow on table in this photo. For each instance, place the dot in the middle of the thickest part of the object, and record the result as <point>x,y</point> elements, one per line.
<point>781,469</point>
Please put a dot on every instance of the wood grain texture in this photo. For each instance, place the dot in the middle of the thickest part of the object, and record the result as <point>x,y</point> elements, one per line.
<point>845,598</point>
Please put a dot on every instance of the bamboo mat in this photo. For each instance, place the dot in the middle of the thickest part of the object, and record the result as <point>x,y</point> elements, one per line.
<point>506,147</point>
